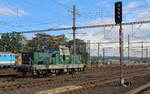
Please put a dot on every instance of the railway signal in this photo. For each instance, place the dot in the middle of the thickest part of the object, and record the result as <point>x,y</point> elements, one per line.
<point>118,20</point>
<point>118,12</point>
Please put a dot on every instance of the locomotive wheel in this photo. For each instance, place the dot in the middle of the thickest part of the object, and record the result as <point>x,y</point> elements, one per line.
<point>34,74</point>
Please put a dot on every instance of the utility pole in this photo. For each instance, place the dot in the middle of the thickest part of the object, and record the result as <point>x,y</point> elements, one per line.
<point>142,50</point>
<point>103,55</point>
<point>98,53</point>
<point>89,50</point>
<point>74,32</point>
<point>147,53</point>
<point>128,48</point>
<point>121,54</point>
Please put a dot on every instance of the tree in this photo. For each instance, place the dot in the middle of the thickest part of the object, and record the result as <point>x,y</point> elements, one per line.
<point>39,42</point>
<point>5,42</point>
<point>11,42</point>
<point>80,48</point>
<point>16,40</point>
<point>42,40</point>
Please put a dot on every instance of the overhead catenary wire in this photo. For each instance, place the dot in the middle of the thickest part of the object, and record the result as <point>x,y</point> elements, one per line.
<point>69,8</point>
<point>82,27</point>
<point>16,8</point>
<point>45,24</point>
<point>21,25</point>
<point>138,29</point>
<point>63,5</point>
<point>30,25</point>
<point>90,14</point>
<point>37,6</point>
<point>135,7</point>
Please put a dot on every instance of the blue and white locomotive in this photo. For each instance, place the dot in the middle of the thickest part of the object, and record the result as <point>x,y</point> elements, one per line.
<point>7,59</point>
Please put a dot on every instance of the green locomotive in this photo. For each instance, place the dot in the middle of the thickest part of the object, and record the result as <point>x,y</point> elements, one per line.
<point>51,61</point>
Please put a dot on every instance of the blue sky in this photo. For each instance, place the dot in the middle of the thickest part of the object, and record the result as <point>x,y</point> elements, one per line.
<point>24,15</point>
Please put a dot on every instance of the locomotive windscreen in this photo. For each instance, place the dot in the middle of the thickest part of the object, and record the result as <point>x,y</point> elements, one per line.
<point>52,50</point>
<point>26,58</point>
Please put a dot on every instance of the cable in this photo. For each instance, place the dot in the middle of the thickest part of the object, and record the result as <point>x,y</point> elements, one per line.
<point>141,6</point>
<point>82,27</point>
<point>29,25</point>
<point>138,29</point>
<point>93,14</point>
<point>54,1</point>
<point>67,7</point>
<point>146,3</point>
<point>37,6</point>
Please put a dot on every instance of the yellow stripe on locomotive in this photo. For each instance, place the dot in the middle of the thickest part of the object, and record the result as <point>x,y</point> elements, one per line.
<point>26,74</point>
<point>19,60</point>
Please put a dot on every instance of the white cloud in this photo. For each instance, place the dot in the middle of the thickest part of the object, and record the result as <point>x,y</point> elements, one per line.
<point>98,34</point>
<point>8,10</point>
<point>140,32</point>
<point>133,5</point>
<point>148,2</point>
<point>63,1</point>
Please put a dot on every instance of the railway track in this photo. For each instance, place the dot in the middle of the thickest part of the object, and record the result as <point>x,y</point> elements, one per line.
<point>7,71</point>
<point>67,80</point>
<point>8,79</point>
<point>5,77</point>
<point>81,87</point>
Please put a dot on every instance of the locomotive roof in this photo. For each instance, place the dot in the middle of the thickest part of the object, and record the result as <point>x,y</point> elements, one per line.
<point>6,53</point>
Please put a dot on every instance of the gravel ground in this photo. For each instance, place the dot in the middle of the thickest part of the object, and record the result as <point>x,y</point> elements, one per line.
<point>116,89</point>
<point>147,91</point>
<point>107,89</point>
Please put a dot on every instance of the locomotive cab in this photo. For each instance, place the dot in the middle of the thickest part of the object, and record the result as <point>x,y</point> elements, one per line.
<point>24,67</point>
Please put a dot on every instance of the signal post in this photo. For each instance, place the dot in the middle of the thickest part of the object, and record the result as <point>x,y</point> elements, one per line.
<point>118,20</point>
